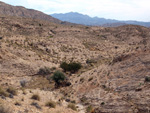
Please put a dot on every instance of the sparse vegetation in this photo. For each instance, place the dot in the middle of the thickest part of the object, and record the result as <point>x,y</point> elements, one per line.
<point>24,91</point>
<point>90,61</point>
<point>73,101</point>
<point>82,80</point>
<point>64,66</point>
<point>51,36</point>
<point>12,91</point>
<point>17,103</point>
<point>35,97</point>
<point>83,99</point>
<point>102,103</point>
<point>3,92</point>
<point>36,105</point>
<point>23,83</point>
<point>72,106</point>
<point>91,78</point>
<point>4,110</point>
<point>90,109</point>
<point>53,68</point>
<point>120,58</point>
<point>22,99</point>
<point>44,71</point>
<point>51,104</point>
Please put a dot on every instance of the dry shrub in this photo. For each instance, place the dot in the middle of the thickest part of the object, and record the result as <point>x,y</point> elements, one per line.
<point>35,97</point>
<point>72,106</point>
<point>12,91</point>
<point>51,104</point>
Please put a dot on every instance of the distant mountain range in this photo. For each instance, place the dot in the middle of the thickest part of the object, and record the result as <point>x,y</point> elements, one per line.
<point>68,18</point>
<point>78,18</point>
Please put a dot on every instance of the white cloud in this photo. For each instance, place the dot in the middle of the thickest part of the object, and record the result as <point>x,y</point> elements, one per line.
<point>114,9</point>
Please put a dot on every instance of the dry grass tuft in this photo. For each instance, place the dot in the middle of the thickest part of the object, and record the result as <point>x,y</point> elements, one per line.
<point>72,106</point>
<point>35,97</point>
<point>51,104</point>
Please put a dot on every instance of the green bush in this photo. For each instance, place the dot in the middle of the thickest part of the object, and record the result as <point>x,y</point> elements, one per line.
<point>72,67</point>
<point>58,77</point>
<point>44,71</point>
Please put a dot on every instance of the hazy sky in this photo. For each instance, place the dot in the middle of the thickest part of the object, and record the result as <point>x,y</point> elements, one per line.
<point>111,9</point>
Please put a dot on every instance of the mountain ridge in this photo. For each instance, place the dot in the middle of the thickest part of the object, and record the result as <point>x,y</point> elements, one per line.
<point>20,11</point>
<point>78,18</point>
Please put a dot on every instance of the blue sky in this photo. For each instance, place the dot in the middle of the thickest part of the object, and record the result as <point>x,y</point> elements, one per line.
<point>110,9</point>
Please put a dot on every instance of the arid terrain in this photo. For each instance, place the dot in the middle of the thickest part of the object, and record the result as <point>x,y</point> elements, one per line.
<point>115,73</point>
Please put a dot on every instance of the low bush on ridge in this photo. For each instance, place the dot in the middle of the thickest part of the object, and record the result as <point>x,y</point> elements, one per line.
<point>71,67</point>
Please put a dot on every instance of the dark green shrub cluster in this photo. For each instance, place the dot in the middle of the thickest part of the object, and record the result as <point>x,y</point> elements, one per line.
<point>44,71</point>
<point>72,67</point>
<point>64,66</point>
<point>58,77</point>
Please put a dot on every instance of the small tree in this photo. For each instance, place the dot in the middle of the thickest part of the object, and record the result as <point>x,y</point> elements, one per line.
<point>58,77</point>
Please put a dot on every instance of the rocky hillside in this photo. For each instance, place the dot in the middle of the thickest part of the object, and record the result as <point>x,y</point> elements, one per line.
<point>115,73</point>
<point>115,64</point>
<point>20,11</point>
